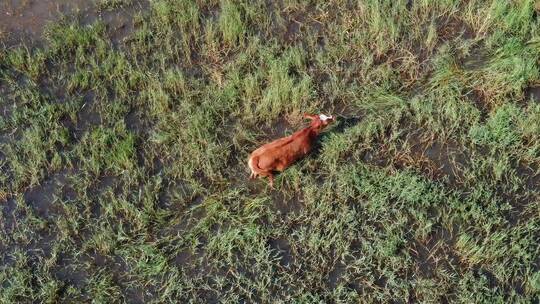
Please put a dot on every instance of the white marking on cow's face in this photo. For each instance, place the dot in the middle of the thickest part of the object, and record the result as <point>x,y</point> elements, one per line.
<point>324,117</point>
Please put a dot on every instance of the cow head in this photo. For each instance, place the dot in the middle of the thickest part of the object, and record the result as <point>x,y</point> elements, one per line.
<point>319,121</point>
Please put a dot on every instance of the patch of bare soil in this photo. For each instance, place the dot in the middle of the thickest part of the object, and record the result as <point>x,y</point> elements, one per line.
<point>533,94</point>
<point>524,197</point>
<point>440,159</point>
<point>435,158</point>
<point>336,275</point>
<point>8,218</point>
<point>42,198</point>
<point>282,247</point>
<point>435,252</point>
<point>69,273</point>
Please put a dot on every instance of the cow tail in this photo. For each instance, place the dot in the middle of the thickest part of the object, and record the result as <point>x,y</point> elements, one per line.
<point>253,164</point>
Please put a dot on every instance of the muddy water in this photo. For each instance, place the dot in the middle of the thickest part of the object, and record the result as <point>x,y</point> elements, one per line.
<point>25,20</point>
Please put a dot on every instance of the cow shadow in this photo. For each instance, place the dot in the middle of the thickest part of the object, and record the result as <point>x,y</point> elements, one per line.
<point>340,126</point>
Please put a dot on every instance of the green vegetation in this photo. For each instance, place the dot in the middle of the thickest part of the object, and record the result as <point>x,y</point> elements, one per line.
<point>124,175</point>
<point>104,5</point>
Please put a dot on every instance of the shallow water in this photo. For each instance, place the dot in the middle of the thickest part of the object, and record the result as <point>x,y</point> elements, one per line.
<point>25,20</point>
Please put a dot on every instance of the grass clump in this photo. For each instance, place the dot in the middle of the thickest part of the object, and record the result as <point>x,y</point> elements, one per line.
<point>104,5</point>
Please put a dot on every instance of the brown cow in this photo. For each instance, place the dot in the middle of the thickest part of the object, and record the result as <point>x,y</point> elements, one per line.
<point>283,152</point>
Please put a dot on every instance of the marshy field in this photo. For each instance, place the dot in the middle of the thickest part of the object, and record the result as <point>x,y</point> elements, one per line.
<point>125,128</point>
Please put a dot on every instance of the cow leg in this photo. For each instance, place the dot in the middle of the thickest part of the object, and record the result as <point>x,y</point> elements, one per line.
<point>264,174</point>
<point>271,179</point>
